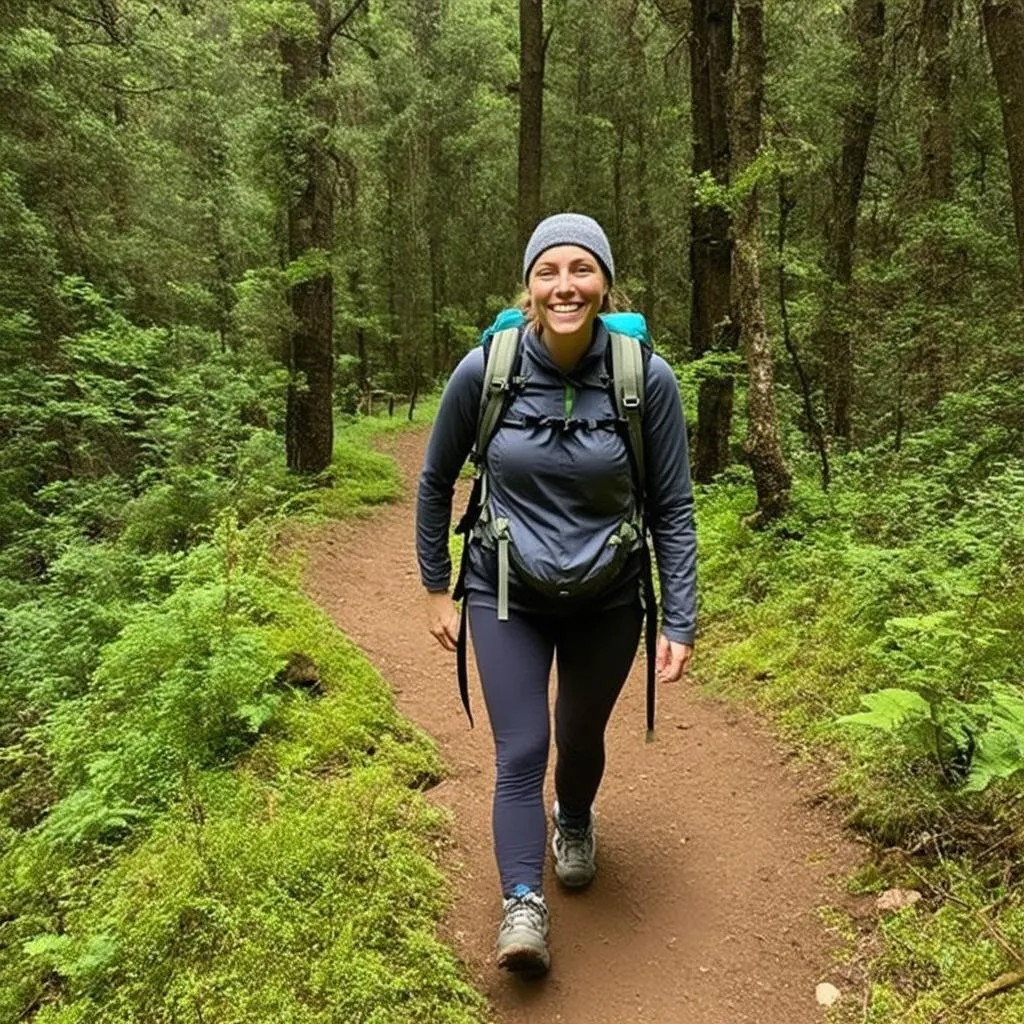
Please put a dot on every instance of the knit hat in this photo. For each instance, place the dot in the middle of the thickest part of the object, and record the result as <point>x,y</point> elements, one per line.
<point>569,229</point>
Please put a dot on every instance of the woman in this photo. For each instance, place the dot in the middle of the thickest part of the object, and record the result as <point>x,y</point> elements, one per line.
<point>558,476</point>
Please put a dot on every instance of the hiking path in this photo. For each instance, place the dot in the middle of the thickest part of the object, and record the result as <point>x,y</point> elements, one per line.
<point>715,852</point>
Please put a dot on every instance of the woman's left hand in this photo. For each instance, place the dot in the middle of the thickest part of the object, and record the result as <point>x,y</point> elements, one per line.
<point>672,660</point>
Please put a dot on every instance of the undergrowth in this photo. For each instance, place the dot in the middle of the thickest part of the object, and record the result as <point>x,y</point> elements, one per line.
<point>191,828</point>
<point>880,624</point>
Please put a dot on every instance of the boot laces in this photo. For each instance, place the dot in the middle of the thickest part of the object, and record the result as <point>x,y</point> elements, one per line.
<point>527,910</point>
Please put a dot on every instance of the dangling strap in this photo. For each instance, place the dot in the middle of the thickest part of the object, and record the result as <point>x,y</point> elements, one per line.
<point>499,380</point>
<point>650,633</point>
<point>460,659</point>
<point>459,594</point>
<point>627,358</point>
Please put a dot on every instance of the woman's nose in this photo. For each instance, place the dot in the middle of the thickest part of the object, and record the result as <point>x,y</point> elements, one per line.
<point>564,285</point>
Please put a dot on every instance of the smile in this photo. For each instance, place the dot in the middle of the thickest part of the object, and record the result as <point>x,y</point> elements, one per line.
<point>566,307</point>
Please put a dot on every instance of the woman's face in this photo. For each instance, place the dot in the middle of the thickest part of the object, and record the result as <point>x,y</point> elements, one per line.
<point>567,290</point>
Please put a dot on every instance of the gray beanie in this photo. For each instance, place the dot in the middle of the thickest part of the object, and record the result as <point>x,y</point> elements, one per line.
<point>569,229</point>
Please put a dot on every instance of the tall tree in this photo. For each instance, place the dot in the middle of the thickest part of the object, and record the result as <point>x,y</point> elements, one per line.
<point>772,478</point>
<point>531,114</point>
<point>833,332</point>
<point>936,80</point>
<point>1004,31</point>
<point>306,70</point>
<point>712,325</point>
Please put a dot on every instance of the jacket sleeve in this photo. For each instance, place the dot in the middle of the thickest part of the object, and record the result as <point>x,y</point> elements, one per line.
<point>450,443</point>
<point>670,501</point>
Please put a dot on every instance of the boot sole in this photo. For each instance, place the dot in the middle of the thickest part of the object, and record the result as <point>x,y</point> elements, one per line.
<point>521,959</point>
<point>573,881</point>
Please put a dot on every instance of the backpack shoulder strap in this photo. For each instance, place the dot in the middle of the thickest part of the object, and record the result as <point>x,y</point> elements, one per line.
<point>501,355</point>
<point>630,357</point>
<point>501,361</point>
<point>629,365</point>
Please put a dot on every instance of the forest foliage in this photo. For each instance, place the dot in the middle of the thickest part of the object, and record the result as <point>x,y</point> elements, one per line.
<point>153,766</point>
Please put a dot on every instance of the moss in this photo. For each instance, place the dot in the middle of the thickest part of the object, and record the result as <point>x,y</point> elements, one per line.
<point>243,851</point>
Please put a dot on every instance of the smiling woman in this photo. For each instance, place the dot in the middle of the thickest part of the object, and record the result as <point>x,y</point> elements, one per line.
<point>557,559</point>
<point>567,289</point>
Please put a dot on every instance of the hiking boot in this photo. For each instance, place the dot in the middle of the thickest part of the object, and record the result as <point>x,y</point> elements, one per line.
<point>574,850</point>
<point>523,933</point>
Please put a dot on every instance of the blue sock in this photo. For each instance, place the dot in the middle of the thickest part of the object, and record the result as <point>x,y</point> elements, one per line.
<point>520,891</point>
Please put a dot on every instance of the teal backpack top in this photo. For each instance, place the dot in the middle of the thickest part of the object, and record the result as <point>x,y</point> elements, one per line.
<point>631,324</point>
<point>628,356</point>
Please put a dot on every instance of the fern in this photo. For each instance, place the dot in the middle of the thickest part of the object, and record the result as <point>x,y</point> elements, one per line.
<point>1000,748</point>
<point>890,710</point>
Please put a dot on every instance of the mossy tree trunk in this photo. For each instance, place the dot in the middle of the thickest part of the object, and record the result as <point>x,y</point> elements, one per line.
<point>833,334</point>
<point>772,477</point>
<point>712,324</point>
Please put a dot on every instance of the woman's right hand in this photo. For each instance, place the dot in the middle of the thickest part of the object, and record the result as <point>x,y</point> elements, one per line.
<point>443,619</point>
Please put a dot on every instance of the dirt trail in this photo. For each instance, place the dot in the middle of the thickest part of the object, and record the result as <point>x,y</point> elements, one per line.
<point>713,859</point>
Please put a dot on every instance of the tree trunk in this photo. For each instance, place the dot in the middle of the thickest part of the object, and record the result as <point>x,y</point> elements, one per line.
<point>437,213</point>
<point>814,427</point>
<point>309,426</point>
<point>647,226</point>
<point>772,478</point>
<point>937,187</point>
<point>833,334</point>
<point>433,184</point>
<point>531,114</point>
<point>712,325</point>
<point>1004,31</point>
<point>393,263</point>
<point>936,81</point>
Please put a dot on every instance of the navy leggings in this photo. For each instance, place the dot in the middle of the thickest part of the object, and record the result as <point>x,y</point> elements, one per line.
<point>595,651</point>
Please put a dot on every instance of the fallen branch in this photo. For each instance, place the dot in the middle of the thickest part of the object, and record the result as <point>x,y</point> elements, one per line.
<point>992,988</point>
<point>979,913</point>
<point>1005,981</point>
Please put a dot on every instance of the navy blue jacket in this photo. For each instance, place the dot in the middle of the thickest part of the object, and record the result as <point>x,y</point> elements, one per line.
<point>562,490</point>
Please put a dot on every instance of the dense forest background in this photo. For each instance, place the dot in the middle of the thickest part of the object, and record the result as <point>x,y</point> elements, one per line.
<point>229,228</point>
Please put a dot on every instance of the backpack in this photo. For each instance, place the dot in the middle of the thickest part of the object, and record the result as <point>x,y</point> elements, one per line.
<point>628,356</point>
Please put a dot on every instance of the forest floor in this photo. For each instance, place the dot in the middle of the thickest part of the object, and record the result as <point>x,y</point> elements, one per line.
<point>718,857</point>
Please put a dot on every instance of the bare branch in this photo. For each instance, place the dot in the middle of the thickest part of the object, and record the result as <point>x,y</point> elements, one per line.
<point>76,16</point>
<point>547,39</point>
<point>343,21</point>
<point>370,51</point>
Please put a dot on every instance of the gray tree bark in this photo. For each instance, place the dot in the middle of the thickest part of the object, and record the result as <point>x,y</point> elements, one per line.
<point>772,478</point>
